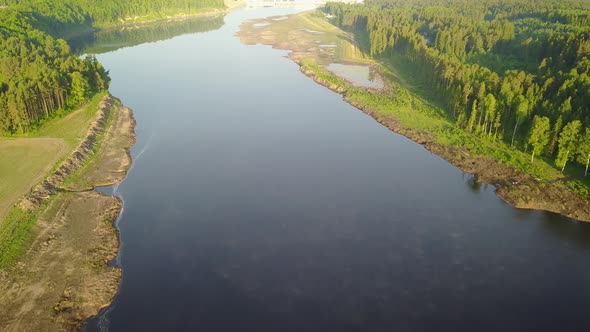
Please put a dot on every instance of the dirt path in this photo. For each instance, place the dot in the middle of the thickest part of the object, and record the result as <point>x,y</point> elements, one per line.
<point>64,277</point>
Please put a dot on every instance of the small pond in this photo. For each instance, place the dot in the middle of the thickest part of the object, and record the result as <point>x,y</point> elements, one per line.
<point>359,76</point>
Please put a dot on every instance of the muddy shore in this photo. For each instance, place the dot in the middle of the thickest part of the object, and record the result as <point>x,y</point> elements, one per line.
<point>64,277</point>
<point>512,185</point>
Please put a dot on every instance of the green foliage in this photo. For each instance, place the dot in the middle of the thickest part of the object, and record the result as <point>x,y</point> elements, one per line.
<point>583,153</point>
<point>79,88</point>
<point>37,72</point>
<point>580,187</point>
<point>567,143</point>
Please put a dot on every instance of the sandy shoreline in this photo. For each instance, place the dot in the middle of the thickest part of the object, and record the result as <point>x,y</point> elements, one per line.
<point>64,277</point>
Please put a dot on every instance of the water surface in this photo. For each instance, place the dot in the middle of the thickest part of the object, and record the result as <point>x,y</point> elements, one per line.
<point>260,201</point>
<point>357,75</point>
<point>112,39</point>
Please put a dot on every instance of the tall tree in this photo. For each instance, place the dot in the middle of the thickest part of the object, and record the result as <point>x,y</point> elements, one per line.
<point>80,88</point>
<point>555,136</point>
<point>539,135</point>
<point>472,117</point>
<point>522,111</point>
<point>567,143</point>
<point>583,155</point>
<point>490,112</point>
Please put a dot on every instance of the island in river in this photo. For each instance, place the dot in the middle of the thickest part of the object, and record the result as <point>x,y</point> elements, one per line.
<point>318,47</point>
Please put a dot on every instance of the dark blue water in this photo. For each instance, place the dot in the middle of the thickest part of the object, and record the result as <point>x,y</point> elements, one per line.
<point>260,201</point>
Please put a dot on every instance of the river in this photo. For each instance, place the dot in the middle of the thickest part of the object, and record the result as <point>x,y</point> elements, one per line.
<point>261,201</point>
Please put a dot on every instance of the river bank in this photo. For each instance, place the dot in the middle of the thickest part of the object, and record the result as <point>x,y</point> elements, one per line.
<point>305,35</point>
<point>64,277</point>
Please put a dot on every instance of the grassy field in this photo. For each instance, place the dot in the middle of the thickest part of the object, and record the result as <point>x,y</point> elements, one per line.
<point>26,160</point>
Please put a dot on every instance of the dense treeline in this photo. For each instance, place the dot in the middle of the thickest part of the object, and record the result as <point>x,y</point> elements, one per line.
<point>56,16</point>
<point>38,73</point>
<point>515,70</point>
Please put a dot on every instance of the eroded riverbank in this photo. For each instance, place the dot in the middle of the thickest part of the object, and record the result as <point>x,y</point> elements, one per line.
<point>306,37</point>
<point>64,276</point>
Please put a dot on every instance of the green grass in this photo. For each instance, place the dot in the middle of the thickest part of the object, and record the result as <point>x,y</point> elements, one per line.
<point>15,234</point>
<point>24,163</point>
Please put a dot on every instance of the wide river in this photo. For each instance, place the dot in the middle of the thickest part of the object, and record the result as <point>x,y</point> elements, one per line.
<point>261,201</point>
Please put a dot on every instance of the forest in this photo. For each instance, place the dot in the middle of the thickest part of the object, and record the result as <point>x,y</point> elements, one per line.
<point>40,77</point>
<point>515,71</point>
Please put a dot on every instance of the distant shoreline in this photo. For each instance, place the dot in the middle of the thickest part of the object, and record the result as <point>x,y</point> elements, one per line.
<point>140,22</point>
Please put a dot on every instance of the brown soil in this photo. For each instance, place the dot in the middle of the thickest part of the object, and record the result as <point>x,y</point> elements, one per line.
<point>513,186</point>
<point>64,278</point>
